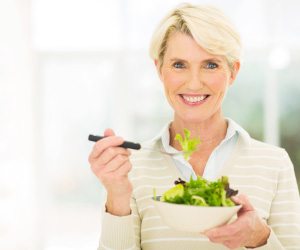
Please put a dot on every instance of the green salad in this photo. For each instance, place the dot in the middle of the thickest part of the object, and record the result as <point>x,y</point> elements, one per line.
<point>200,192</point>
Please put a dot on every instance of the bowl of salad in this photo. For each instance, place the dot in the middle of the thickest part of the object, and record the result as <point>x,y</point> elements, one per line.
<point>197,205</point>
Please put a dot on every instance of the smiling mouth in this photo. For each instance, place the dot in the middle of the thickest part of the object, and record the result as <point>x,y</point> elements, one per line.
<point>194,99</point>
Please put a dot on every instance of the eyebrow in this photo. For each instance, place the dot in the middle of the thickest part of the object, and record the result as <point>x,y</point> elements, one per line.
<point>206,60</point>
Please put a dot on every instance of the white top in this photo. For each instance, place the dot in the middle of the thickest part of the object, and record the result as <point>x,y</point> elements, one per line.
<point>216,159</point>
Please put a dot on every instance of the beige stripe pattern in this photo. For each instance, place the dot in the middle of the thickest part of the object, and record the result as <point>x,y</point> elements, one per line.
<point>261,171</point>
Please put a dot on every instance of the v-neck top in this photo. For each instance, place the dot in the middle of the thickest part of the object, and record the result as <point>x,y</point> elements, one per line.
<point>215,161</point>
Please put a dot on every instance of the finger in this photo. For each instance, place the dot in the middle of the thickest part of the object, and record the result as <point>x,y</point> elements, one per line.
<point>116,163</point>
<point>109,132</point>
<point>124,169</point>
<point>219,240</point>
<point>224,232</point>
<point>101,145</point>
<point>110,153</point>
<point>231,244</point>
<point>244,201</point>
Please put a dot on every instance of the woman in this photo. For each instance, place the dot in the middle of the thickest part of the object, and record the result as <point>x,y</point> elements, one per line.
<point>197,51</point>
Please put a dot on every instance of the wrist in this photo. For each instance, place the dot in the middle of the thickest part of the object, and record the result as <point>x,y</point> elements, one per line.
<point>261,237</point>
<point>119,206</point>
<point>265,235</point>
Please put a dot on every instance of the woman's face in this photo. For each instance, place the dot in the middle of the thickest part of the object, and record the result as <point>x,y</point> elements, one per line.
<point>195,81</point>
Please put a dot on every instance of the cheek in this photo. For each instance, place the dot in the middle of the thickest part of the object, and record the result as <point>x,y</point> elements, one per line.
<point>172,80</point>
<point>218,83</point>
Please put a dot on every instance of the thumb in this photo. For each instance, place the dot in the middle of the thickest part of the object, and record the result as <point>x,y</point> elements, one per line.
<point>243,200</point>
<point>109,132</point>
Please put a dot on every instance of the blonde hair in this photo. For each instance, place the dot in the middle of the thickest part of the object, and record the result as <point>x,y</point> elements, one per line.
<point>208,26</point>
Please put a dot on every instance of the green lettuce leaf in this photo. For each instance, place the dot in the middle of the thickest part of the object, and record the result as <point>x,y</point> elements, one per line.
<point>188,145</point>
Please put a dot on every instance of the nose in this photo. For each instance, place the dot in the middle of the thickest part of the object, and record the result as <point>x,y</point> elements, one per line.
<point>195,80</point>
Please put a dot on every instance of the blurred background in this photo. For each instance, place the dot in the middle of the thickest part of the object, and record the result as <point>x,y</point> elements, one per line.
<point>69,68</point>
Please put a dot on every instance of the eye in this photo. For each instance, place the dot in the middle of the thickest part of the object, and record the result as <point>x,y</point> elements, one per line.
<point>211,65</point>
<point>178,65</point>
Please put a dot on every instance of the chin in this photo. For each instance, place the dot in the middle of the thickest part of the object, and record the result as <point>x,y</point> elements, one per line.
<point>192,118</point>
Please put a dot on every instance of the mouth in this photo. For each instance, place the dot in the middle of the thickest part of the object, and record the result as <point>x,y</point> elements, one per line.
<point>194,100</point>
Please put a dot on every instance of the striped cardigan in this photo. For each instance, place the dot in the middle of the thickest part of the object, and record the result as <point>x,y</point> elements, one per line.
<point>261,171</point>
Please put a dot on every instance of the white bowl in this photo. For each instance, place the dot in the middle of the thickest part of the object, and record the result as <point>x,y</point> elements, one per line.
<point>194,218</point>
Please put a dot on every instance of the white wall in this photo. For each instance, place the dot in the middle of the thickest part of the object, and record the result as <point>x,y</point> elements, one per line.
<point>18,211</point>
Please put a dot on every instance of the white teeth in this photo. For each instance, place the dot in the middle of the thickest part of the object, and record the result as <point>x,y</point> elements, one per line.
<point>194,98</point>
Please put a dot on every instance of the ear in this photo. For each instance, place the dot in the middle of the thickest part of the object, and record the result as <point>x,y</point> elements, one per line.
<point>234,71</point>
<point>158,68</point>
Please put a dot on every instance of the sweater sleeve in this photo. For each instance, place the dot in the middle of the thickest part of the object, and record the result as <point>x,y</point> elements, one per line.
<point>284,219</point>
<point>121,232</point>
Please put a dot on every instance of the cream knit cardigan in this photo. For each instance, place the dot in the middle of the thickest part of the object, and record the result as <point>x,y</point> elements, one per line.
<point>261,171</point>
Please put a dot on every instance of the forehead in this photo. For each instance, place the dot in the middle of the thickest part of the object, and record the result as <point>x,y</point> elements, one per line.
<point>183,46</point>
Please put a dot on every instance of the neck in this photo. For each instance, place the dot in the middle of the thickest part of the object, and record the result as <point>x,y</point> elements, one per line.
<point>211,131</point>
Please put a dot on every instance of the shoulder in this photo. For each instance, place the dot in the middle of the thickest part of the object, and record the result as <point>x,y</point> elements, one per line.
<point>260,145</point>
<point>262,152</point>
<point>258,154</point>
<point>253,146</point>
<point>266,148</point>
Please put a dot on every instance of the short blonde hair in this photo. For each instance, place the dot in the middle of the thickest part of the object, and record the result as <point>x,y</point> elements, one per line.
<point>210,28</point>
